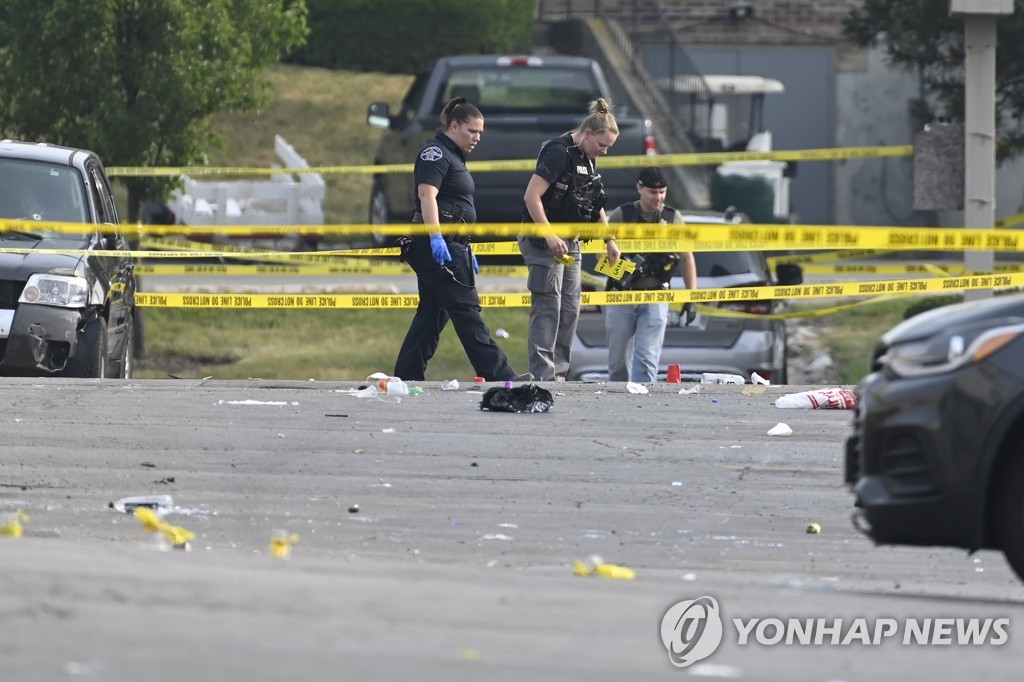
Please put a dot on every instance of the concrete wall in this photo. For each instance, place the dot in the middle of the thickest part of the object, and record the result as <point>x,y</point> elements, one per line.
<point>873,108</point>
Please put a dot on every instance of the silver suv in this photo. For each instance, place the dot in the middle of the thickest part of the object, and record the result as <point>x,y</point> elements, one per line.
<point>72,313</point>
<point>728,345</point>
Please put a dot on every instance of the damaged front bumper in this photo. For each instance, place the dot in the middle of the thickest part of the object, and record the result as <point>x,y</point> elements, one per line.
<point>41,339</point>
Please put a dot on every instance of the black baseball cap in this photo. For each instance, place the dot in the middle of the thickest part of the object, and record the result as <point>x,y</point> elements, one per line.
<point>652,177</point>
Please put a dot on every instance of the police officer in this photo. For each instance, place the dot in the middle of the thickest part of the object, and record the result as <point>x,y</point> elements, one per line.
<point>565,188</point>
<point>444,264</point>
<point>644,324</point>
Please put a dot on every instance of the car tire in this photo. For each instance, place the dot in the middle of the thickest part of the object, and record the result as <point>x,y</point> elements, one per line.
<point>1009,511</point>
<point>380,211</point>
<point>90,358</point>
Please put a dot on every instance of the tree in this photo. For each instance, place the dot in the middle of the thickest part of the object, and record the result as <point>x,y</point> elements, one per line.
<point>920,35</point>
<point>137,80</point>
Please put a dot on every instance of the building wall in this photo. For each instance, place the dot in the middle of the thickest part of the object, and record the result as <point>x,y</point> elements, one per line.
<point>872,108</point>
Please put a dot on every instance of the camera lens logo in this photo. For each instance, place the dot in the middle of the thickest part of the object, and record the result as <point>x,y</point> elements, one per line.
<point>691,630</point>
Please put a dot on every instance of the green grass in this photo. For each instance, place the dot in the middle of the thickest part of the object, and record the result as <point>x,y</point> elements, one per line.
<point>322,114</point>
<point>304,344</point>
<point>850,335</point>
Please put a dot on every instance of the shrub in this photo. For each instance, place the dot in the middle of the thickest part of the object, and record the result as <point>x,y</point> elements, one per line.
<point>406,36</point>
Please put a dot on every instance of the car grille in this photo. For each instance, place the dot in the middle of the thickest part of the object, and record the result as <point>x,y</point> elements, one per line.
<point>10,292</point>
<point>905,463</point>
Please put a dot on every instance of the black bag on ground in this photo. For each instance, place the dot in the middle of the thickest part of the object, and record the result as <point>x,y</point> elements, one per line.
<point>526,398</point>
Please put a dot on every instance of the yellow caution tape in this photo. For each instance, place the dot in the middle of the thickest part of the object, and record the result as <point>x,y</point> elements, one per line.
<point>636,161</point>
<point>519,299</point>
<point>688,238</point>
<point>1010,220</point>
<point>698,237</point>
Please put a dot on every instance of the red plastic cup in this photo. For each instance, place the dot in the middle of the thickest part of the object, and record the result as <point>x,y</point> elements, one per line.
<point>479,380</point>
<point>675,376</point>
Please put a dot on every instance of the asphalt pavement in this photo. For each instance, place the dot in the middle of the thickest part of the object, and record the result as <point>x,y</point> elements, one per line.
<point>434,540</point>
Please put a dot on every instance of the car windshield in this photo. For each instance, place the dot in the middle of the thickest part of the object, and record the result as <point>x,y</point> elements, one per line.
<point>38,191</point>
<point>721,263</point>
<point>522,88</point>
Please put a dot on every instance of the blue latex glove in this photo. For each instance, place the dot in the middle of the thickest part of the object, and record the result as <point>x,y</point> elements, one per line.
<point>439,248</point>
<point>476,265</point>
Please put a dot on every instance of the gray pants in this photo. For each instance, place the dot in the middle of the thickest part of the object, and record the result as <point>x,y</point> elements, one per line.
<point>554,307</point>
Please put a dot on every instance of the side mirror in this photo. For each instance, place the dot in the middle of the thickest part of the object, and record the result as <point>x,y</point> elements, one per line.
<point>788,274</point>
<point>378,115</point>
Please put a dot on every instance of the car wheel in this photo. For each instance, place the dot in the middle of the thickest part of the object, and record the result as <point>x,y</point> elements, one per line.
<point>1009,511</point>
<point>90,358</point>
<point>781,359</point>
<point>380,211</point>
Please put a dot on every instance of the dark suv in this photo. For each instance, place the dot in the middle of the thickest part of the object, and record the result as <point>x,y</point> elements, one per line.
<point>937,451</point>
<point>67,314</point>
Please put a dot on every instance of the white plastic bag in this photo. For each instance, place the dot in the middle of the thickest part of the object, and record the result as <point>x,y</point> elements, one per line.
<point>715,378</point>
<point>822,398</point>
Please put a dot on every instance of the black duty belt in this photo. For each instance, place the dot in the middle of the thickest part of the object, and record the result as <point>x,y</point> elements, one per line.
<point>464,239</point>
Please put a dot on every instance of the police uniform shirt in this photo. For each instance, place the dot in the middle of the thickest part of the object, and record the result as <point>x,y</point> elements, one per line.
<point>442,165</point>
<point>554,163</point>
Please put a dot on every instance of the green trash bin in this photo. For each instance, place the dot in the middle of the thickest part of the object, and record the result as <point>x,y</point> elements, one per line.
<point>751,195</point>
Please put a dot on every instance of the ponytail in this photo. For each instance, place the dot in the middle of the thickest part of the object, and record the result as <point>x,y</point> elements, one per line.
<point>458,110</point>
<point>599,118</point>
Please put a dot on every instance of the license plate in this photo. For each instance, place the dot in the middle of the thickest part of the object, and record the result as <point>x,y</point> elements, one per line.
<point>6,320</point>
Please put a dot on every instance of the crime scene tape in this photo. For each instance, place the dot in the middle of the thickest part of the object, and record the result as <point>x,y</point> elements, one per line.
<point>637,161</point>
<point>900,269</point>
<point>518,299</point>
<point>691,237</point>
<point>705,236</point>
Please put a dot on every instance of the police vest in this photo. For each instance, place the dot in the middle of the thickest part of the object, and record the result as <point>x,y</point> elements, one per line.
<point>573,197</point>
<point>653,270</point>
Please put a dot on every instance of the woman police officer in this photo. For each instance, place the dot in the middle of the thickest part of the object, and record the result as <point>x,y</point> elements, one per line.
<point>563,189</point>
<point>444,264</point>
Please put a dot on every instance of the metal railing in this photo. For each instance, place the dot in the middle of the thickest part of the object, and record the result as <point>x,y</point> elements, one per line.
<point>657,57</point>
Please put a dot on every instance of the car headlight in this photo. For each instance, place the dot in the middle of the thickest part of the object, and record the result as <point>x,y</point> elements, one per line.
<point>949,350</point>
<point>59,290</point>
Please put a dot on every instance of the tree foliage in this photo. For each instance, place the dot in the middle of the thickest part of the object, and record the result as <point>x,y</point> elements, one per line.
<point>407,36</point>
<point>137,80</point>
<point>922,36</point>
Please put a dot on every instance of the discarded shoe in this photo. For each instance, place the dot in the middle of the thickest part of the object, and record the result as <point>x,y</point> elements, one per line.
<point>528,398</point>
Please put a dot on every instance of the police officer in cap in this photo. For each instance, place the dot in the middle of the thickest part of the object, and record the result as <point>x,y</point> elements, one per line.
<point>443,261</point>
<point>644,324</point>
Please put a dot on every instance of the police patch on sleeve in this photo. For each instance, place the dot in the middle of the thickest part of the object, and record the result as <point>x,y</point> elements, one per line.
<point>431,153</point>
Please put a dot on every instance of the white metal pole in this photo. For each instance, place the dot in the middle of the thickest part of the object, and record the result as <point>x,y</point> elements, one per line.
<point>979,140</point>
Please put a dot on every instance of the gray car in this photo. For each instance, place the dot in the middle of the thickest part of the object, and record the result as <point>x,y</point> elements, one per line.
<point>727,345</point>
<point>65,308</point>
